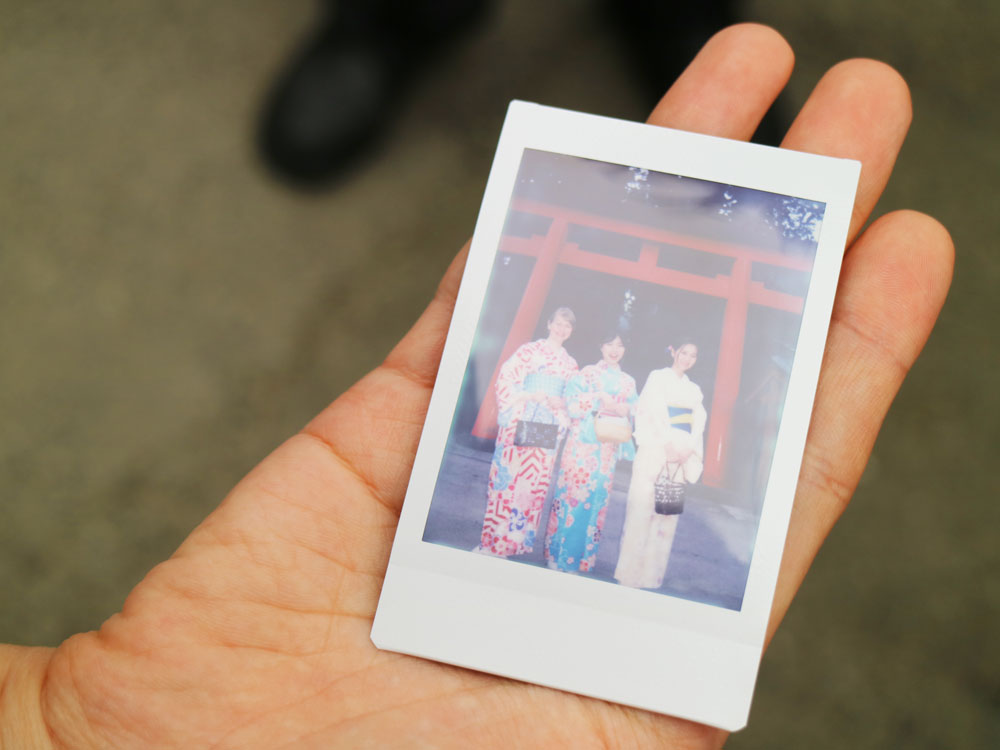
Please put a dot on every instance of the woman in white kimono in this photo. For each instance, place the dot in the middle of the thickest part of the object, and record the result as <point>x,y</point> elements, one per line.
<point>669,429</point>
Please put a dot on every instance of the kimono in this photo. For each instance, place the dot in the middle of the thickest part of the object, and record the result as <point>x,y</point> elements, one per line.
<point>586,469</point>
<point>669,419</point>
<point>520,475</point>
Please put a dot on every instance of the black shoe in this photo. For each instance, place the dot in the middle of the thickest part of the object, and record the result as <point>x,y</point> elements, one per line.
<point>335,100</point>
<point>661,38</point>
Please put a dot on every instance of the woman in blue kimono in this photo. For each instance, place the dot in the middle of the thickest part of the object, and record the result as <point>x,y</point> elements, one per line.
<point>588,464</point>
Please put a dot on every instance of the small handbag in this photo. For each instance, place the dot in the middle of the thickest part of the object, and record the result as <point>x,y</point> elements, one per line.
<point>536,434</point>
<point>612,428</point>
<point>532,434</point>
<point>668,493</point>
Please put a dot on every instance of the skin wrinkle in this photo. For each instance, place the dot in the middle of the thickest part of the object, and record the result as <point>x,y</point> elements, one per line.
<point>373,382</point>
<point>352,568</point>
<point>250,547</point>
<point>378,457</point>
<point>42,697</point>
<point>604,730</point>
<point>300,543</point>
<point>181,688</point>
<point>376,573</point>
<point>231,538</point>
<point>15,666</point>
<point>5,682</point>
<point>360,718</point>
<point>110,637</point>
<point>411,376</point>
<point>93,727</point>
<point>636,722</point>
<point>908,294</point>
<point>375,493</point>
<point>184,590</point>
<point>456,728</point>
<point>322,515</point>
<point>226,643</point>
<point>327,687</point>
<point>851,322</point>
<point>816,473</point>
<point>259,713</point>
<point>364,403</point>
<point>241,599</point>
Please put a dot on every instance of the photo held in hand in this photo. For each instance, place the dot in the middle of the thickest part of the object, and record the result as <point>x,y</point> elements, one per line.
<point>620,412</point>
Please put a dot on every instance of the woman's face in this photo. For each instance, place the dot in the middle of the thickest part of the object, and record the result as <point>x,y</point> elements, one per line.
<point>560,329</point>
<point>613,351</point>
<point>685,357</point>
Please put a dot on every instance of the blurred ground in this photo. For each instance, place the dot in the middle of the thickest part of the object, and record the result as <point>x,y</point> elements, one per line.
<point>168,314</point>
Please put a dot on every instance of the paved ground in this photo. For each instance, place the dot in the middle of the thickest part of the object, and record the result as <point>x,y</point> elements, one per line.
<point>708,562</point>
<point>168,314</point>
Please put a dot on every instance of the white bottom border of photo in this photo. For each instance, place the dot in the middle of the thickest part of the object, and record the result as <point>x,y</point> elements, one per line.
<point>600,654</point>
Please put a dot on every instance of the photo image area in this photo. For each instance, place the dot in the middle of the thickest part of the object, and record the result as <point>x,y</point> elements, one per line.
<point>659,260</point>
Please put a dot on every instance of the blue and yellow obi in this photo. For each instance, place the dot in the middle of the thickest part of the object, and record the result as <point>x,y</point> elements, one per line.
<point>681,417</point>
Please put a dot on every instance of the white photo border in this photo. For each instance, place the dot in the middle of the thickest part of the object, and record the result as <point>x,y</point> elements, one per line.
<point>654,651</point>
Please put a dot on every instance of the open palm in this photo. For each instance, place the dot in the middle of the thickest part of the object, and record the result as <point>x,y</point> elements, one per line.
<point>255,633</point>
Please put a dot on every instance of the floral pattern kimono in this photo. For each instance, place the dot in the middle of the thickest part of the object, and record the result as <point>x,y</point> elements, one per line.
<point>520,475</point>
<point>670,417</point>
<point>586,469</point>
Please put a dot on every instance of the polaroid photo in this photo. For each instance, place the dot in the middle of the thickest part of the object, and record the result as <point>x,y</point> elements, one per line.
<point>602,489</point>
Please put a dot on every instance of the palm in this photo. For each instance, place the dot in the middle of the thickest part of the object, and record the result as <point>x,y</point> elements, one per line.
<point>255,633</point>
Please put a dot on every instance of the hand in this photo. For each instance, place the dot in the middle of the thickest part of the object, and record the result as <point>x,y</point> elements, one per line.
<point>678,455</point>
<point>609,405</point>
<point>255,632</point>
<point>531,397</point>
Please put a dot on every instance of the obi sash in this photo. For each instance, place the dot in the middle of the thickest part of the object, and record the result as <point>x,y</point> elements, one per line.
<point>681,417</point>
<point>540,382</point>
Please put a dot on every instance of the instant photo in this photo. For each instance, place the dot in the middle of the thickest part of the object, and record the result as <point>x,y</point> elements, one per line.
<point>601,493</point>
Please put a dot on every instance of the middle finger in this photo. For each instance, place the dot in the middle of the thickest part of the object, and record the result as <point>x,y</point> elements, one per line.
<point>729,85</point>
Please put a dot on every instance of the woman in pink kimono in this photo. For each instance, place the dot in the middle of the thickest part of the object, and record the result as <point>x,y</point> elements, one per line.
<point>529,389</point>
<point>669,429</point>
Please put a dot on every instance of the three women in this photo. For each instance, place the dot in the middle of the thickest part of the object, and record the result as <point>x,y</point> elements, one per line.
<point>541,396</point>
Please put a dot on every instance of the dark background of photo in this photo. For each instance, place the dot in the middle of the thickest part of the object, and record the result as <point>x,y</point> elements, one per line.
<point>715,536</point>
<point>170,314</point>
<point>650,317</point>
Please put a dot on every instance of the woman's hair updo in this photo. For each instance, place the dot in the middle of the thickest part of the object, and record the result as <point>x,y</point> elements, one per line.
<point>682,342</point>
<point>563,312</point>
<point>614,333</point>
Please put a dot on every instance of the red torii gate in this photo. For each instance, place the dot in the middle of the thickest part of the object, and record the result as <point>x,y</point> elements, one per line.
<point>737,289</point>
